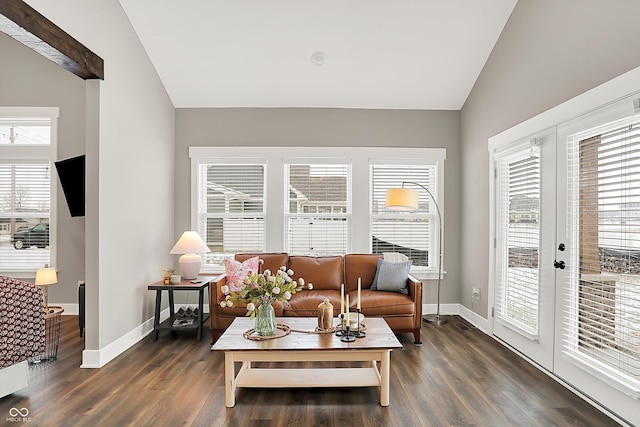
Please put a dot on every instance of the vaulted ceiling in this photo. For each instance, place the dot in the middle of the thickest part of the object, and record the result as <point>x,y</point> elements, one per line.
<point>397,54</point>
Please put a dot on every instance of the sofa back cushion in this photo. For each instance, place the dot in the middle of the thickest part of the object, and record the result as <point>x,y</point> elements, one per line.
<point>323,272</point>
<point>360,265</point>
<point>272,261</point>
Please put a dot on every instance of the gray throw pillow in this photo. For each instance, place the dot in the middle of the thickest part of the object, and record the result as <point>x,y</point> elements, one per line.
<point>391,276</point>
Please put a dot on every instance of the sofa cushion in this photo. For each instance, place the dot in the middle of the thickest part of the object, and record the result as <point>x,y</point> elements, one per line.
<point>272,261</point>
<point>305,302</point>
<point>236,271</point>
<point>363,266</point>
<point>323,272</point>
<point>391,276</point>
<point>382,303</point>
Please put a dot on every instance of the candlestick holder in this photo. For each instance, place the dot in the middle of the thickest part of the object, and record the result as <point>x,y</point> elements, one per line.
<point>348,337</point>
<point>340,330</point>
<point>358,333</point>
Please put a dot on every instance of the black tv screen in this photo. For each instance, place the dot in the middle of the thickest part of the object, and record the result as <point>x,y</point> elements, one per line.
<point>71,174</point>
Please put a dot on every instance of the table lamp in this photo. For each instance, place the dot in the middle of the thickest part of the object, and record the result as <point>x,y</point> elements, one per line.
<point>45,277</point>
<point>190,244</point>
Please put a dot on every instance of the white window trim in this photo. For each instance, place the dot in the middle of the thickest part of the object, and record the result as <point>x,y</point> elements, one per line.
<point>360,157</point>
<point>37,152</point>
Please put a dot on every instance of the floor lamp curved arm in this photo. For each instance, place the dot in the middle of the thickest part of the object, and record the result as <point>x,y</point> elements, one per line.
<point>399,199</point>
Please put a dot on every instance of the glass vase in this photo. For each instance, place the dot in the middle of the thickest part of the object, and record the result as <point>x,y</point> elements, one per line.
<point>265,320</point>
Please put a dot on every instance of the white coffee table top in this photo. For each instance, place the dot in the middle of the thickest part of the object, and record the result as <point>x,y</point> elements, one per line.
<point>379,336</point>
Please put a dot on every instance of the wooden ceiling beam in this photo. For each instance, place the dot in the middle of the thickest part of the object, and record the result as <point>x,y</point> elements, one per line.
<point>25,24</point>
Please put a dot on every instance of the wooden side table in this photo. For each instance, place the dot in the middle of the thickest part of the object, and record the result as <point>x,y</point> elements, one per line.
<point>200,284</point>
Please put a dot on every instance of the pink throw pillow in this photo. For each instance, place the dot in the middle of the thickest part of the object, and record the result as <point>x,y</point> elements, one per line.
<point>236,271</point>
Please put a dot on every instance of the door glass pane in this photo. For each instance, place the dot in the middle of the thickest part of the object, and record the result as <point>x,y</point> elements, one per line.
<point>604,213</point>
<point>518,211</point>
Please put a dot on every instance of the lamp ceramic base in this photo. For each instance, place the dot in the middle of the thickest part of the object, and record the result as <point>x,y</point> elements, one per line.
<point>433,318</point>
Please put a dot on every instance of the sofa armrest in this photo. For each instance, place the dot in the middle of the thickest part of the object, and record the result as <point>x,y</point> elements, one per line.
<point>415,292</point>
<point>215,289</point>
<point>215,296</point>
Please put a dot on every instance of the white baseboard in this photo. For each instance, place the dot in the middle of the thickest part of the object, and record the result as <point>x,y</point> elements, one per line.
<point>99,358</point>
<point>475,319</point>
<point>459,310</point>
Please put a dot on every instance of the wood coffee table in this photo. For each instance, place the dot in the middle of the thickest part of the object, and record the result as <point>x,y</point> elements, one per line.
<point>302,347</point>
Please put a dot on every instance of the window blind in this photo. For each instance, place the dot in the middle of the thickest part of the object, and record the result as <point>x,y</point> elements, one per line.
<point>318,209</point>
<point>231,209</point>
<point>414,234</point>
<point>603,332</point>
<point>518,240</point>
<point>25,192</point>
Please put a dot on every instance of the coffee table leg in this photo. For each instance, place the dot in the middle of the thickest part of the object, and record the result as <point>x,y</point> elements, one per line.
<point>384,378</point>
<point>229,380</point>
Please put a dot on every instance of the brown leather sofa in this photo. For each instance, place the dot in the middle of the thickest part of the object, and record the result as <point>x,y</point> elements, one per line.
<point>402,312</point>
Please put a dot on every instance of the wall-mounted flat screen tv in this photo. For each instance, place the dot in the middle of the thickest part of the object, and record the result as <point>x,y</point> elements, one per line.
<point>71,174</point>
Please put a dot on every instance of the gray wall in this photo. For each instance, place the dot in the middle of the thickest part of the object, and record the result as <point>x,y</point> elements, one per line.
<point>332,128</point>
<point>29,80</point>
<point>549,51</point>
<point>130,146</point>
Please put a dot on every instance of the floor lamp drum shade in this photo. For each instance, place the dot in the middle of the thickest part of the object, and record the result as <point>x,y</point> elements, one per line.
<point>190,244</point>
<point>402,199</point>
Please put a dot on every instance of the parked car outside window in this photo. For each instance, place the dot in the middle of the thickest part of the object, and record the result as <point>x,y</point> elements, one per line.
<point>38,235</point>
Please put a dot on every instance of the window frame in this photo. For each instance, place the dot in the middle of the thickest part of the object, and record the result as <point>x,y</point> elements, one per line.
<point>437,163</point>
<point>360,159</point>
<point>38,153</point>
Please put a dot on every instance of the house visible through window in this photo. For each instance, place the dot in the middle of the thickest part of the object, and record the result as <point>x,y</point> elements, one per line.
<point>231,209</point>
<point>318,209</point>
<point>298,200</point>
<point>26,154</point>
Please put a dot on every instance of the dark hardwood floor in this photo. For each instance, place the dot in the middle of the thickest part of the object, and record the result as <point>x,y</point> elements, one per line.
<point>458,377</point>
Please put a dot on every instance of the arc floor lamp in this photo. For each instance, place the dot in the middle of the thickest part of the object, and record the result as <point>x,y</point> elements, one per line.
<point>406,199</point>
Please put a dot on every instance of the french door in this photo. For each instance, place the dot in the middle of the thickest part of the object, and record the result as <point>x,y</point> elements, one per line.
<point>524,229</point>
<point>566,270</point>
<point>598,291</point>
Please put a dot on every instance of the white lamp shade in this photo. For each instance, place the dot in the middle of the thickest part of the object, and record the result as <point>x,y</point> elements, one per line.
<point>402,199</point>
<point>190,243</point>
<point>46,276</point>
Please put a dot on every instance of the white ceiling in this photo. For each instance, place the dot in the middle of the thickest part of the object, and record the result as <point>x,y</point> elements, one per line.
<point>397,54</point>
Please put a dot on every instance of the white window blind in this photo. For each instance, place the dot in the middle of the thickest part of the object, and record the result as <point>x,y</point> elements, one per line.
<point>25,192</point>
<point>318,212</point>
<point>414,234</point>
<point>518,239</point>
<point>231,209</point>
<point>603,335</point>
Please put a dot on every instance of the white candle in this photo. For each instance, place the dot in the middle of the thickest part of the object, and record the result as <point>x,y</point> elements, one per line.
<point>359,289</point>
<point>342,299</point>
<point>347,312</point>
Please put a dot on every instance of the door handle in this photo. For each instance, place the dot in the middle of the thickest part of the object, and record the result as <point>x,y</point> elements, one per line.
<point>558,264</point>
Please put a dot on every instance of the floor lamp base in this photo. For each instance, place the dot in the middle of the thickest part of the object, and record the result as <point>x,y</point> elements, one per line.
<point>435,318</point>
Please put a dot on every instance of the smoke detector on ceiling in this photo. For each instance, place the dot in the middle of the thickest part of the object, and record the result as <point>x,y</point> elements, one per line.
<point>319,58</point>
